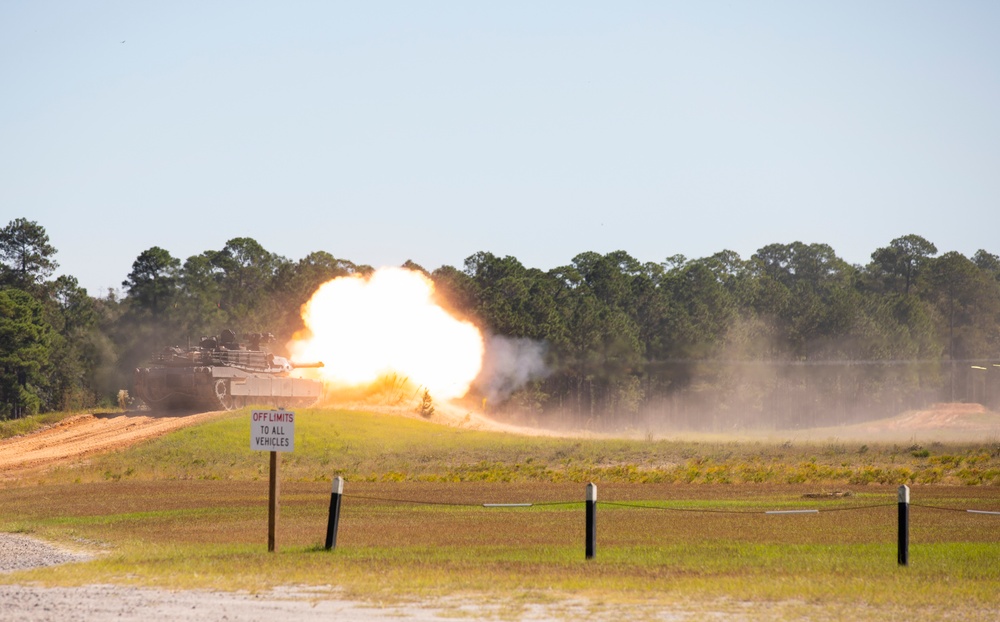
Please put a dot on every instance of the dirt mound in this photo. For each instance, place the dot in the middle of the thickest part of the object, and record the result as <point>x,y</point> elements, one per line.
<point>84,435</point>
<point>940,416</point>
<point>951,422</point>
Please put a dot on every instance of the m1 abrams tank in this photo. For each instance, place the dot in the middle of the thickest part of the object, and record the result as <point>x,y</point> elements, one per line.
<point>223,374</point>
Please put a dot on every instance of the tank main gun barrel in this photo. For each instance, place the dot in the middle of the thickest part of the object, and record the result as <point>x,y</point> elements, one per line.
<point>315,365</point>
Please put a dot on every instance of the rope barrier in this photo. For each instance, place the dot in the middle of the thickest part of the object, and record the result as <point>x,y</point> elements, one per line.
<point>638,506</point>
<point>550,503</point>
<point>860,507</point>
<point>903,521</point>
<point>935,507</point>
<point>710,511</point>
<point>659,507</point>
<point>530,505</point>
<point>625,505</point>
<point>465,505</point>
<point>938,507</point>
<point>416,502</point>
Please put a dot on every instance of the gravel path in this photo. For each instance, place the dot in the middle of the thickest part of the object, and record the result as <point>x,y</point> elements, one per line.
<point>107,603</point>
<point>113,603</point>
<point>104,603</point>
<point>19,552</point>
<point>117,603</point>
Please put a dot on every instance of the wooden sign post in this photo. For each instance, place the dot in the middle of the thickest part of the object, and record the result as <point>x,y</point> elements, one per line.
<point>274,431</point>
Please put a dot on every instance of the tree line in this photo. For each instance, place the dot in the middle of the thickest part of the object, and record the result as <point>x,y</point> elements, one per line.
<point>791,336</point>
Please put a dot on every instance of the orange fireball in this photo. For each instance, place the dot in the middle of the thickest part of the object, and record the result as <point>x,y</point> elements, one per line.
<point>385,324</point>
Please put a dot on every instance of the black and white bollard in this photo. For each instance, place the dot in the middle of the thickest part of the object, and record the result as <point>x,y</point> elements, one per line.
<point>591,520</point>
<point>273,504</point>
<point>903,546</point>
<point>334,521</point>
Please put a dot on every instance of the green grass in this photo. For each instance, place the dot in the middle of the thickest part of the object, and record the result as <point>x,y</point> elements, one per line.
<point>191,534</point>
<point>372,447</point>
<point>189,510</point>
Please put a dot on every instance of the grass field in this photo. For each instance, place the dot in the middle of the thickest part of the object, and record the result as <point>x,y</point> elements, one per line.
<point>680,524</point>
<point>382,448</point>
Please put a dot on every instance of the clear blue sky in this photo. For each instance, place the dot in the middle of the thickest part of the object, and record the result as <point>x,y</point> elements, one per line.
<point>386,131</point>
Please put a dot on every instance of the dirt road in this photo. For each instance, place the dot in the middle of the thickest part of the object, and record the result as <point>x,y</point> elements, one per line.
<point>80,436</point>
<point>76,438</point>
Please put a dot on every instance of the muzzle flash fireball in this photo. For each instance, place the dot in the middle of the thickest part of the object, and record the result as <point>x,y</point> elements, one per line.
<point>367,328</point>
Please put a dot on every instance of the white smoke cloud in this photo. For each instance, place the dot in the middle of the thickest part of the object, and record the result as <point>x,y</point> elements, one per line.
<point>509,364</point>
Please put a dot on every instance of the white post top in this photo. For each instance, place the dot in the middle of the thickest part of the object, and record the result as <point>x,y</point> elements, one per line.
<point>591,492</point>
<point>904,494</point>
<point>338,485</point>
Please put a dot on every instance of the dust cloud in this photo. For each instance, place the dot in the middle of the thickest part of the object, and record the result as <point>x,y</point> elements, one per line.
<point>509,364</point>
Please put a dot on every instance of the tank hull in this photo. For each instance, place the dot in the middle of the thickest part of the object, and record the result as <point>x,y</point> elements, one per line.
<point>220,388</point>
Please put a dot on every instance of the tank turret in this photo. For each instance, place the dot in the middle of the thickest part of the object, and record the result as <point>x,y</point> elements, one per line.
<point>223,373</point>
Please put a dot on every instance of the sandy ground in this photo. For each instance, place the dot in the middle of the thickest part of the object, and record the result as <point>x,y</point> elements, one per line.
<point>940,417</point>
<point>80,436</point>
<point>951,422</point>
<point>944,422</point>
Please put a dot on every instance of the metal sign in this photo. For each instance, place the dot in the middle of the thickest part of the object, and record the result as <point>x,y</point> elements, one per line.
<point>272,430</point>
